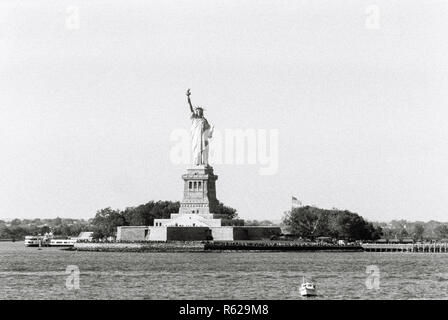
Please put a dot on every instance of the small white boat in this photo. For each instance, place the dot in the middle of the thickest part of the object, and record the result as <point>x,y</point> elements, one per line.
<point>308,289</point>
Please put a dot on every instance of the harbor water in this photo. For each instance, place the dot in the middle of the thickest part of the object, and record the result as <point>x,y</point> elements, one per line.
<point>30,273</point>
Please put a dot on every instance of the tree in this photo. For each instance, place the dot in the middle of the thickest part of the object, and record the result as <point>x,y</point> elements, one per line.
<point>375,232</point>
<point>4,232</point>
<point>311,222</point>
<point>44,230</point>
<point>57,221</point>
<point>403,233</point>
<point>419,229</point>
<point>16,222</point>
<point>302,221</point>
<point>350,226</point>
<point>144,215</point>
<point>259,223</point>
<point>441,231</point>
<point>228,211</point>
<point>106,222</point>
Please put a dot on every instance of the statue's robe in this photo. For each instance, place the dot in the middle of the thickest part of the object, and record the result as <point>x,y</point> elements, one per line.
<point>201,132</point>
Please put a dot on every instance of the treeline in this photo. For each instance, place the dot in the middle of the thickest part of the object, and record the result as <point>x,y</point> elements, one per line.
<point>418,231</point>
<point>311,222</point>
<point>65,227</point>
<point>307,222</point>
<point>260,223</point>
<point>107,220</point>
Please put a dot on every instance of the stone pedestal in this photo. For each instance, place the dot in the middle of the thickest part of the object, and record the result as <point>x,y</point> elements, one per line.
<point>199,191</point>
<point>199,203</point>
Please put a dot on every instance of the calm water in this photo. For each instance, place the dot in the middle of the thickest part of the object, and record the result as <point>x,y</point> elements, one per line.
<point>29,273</point>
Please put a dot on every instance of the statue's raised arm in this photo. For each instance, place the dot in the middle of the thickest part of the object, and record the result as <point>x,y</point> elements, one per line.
<point>189,100</point>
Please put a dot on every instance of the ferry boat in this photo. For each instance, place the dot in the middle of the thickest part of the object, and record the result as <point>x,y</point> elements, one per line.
<point>48,240</point>
<point>33,241</point>
<point>62,242</point>
<point>308,289</point>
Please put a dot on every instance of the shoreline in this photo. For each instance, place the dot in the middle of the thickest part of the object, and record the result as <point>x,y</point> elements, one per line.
<point>179,246</point>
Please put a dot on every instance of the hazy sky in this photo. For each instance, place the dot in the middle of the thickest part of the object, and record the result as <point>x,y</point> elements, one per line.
<point>86,113</point>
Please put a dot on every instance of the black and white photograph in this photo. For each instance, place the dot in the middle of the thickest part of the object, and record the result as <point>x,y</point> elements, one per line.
<point>212,150</point>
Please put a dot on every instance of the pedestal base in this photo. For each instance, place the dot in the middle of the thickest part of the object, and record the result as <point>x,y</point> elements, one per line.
<point>199,191</point>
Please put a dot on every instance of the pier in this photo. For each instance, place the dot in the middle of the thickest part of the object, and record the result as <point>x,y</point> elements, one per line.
<point>408,247</point>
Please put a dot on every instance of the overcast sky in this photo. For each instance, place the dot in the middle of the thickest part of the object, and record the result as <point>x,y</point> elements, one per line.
<point>86,113</point>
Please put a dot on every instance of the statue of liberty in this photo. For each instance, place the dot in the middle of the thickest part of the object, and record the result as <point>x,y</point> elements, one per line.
<point>201,132</point>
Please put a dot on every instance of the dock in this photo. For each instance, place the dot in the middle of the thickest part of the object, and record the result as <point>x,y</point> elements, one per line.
<point>277,246</point>
<point>408,247</point>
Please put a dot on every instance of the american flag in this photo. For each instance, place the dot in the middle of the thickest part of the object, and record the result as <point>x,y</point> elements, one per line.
<point>296,202</point>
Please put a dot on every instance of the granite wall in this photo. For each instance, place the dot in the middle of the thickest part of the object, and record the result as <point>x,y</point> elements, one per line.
<point>132,233</point>
<point>222,234</point>
<point>255,233</point>
<point>188,233</point>
<point>157,234</point>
